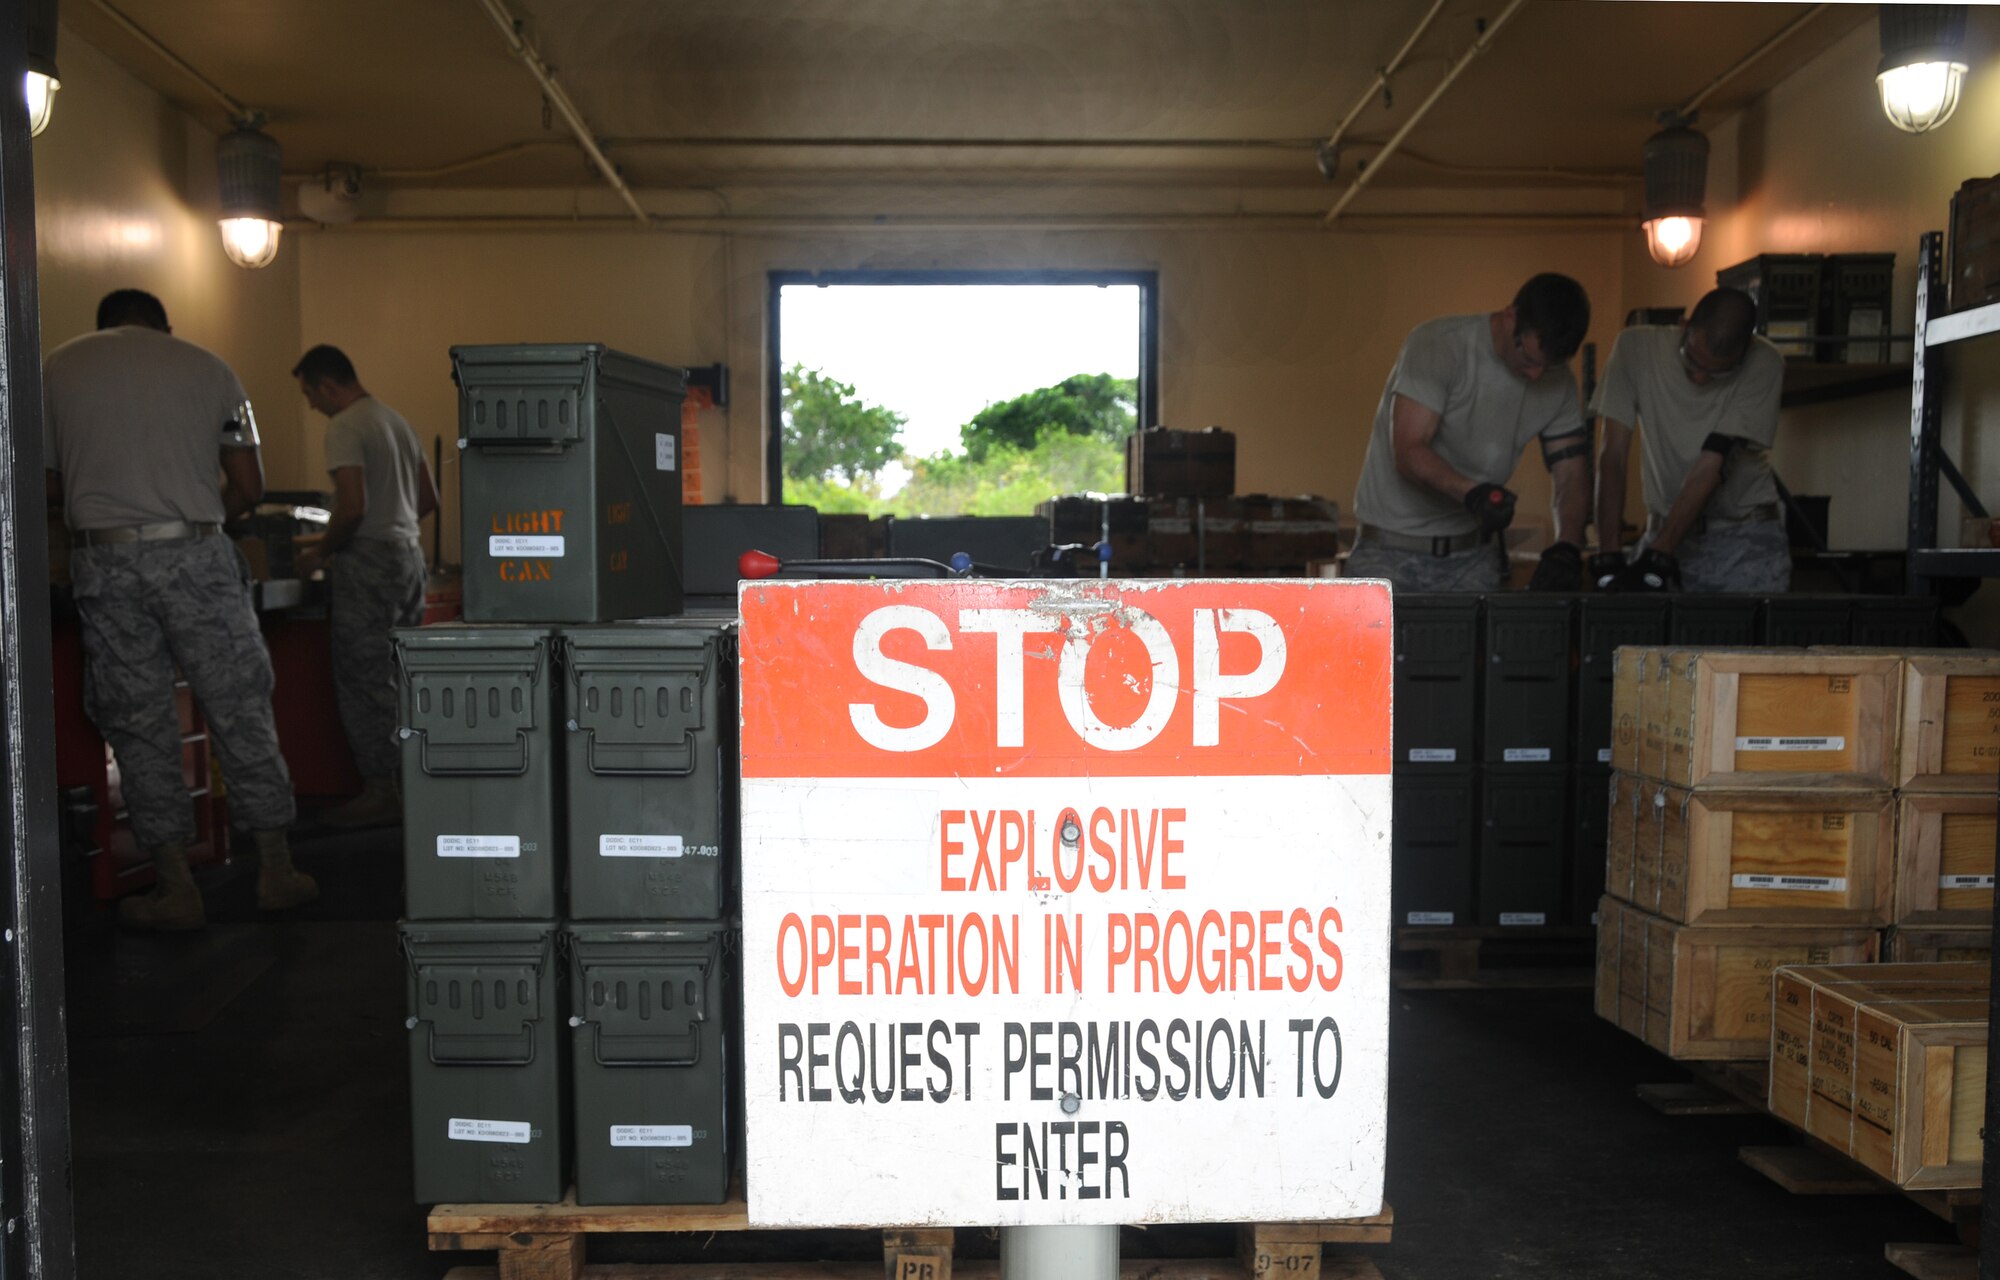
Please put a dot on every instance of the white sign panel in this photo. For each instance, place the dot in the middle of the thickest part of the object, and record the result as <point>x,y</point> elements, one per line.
<point>1065,902</point>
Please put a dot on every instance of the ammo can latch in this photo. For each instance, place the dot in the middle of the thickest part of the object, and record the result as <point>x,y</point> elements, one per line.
<point>646,1012</point>
<point>640,718</point>
<point>479,1011</point>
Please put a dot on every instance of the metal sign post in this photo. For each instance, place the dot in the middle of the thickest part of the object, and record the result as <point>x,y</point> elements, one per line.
<point>1059,1253</point>
<point>1065,905</point>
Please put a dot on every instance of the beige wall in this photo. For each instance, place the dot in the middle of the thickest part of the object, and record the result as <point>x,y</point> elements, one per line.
<point>125,198</point>
<point>1284,337</point>
<point>1815,167</point>
<point>398,303</point>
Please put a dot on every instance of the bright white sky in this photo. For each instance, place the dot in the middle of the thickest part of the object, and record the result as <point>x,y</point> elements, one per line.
<point>938,354</point>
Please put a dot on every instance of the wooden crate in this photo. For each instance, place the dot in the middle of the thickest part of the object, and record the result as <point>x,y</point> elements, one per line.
<point>1812,1030</point>
<point>1951,723</point>
<point>1909,944</point>
<point>1630,959</point>
<point>1653,727</point>
<point>1630,665</point>
<point>1647,833</point>
<point>1770,718</point>
<point>1945,858</point>
<point>1621,834</point>
<point>1765,857</point>
<point>1701,993</point>
<point>1604,991</point>
<point>1894,1070</point>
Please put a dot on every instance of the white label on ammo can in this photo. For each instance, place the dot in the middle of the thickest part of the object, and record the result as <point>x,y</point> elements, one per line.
<point>1525,755</point>
<point>488,1131</point>
<point>1791,744</point>
<point>1808,884</point>
<point>652,1135</point>
<point>1431,917</point>
<point>1433,755</point>
<point>1965,882</point>
<point>663,451</point>
<point>506,545</point>
<point>1604,755</point>
<point>639,846</point>
<point>479,846</point>
<point>1511,918</point>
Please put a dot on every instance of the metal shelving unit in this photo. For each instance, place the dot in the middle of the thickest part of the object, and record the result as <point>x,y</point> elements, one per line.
<point>1928,562</point>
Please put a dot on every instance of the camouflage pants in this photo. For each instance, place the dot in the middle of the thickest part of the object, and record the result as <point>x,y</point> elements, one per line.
<point>1739,557</point>
<point>146,607</point>
<point>377,586</point>
<point>1480,569</point>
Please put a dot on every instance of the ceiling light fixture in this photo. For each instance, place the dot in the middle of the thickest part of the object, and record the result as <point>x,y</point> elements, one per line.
<point>41,82</point>
<point>250,168</point>
<point>1676,161</point>
<point>1923,64</point>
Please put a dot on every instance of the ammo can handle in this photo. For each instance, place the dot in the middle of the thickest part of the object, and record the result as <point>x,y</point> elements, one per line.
<point>513,771</point>
<point>673,771</point>
<point>431,1048</point>
<point>693,1059</point>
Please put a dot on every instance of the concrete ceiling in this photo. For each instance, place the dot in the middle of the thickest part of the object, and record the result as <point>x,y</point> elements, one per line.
<point>728,93</point>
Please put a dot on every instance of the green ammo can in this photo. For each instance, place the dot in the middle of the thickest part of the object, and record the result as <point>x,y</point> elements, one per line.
<point>651,714</point>
<point>570,499</point>
<point>486,1063</point>
<point>480,772</point>
<point>652,1062</point>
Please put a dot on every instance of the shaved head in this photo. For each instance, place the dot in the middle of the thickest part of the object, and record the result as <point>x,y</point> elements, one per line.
<point>1725,319</point>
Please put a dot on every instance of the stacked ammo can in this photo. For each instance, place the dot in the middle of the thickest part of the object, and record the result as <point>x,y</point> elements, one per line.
<point>1505,794</point>
<point>1485,762</point>
<point>568,788</point>
<point>651,837</point>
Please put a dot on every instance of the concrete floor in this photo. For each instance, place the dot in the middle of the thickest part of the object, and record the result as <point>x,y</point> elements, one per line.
<point>240,1109</point>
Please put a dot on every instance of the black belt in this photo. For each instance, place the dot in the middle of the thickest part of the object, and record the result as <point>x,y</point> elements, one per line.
<point>164,531</point>
<point>1447,545</point>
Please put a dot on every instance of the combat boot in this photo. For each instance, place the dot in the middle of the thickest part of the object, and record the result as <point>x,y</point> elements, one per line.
<point>380,804</point>
<point>174,903</point>
<point>279,883</point>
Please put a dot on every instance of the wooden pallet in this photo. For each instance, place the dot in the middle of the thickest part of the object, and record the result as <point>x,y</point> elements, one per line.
<point>1810,1167</point>
<point>1466,957</point>
<point>1934,1261</point>
<point>547,1242</point>
<point>1693,1098</point>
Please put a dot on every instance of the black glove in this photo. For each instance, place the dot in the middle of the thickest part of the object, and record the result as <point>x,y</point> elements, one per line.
<point>1655,570</point>
<point>1491,505</point>
<point>1610,571</point>
<point>1560,569</point>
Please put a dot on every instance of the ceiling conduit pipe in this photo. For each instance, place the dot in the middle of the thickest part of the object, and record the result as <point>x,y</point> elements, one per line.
<point>1382,76</point>
<point>235,109</point>
<point>560,100</point>
<point>709,224</point>
<point>1785,33</point>
<point>1423,108</point>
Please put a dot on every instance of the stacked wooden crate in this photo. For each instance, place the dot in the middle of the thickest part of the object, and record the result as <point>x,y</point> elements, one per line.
<point>1753,826</point>
<point>1887,1064</point>
<point>1948,789</point>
